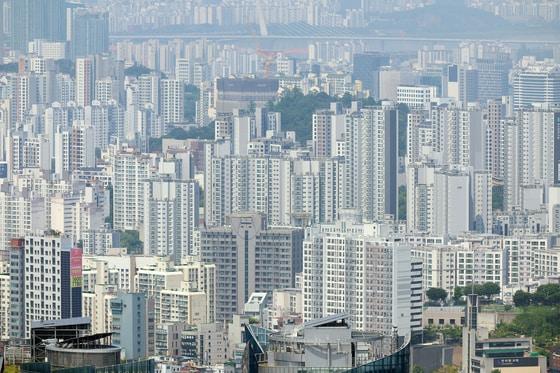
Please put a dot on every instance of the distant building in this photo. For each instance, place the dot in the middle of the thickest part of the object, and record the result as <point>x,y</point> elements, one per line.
<point>89,32</point>
<point>463,83</point>
<point>32,20</point>
<point>438,201</point>
<point>493,78</point>
<point>206,344</point>
<point>233,94</point>
<point>536,82</point>
<point>130,172</point>
<point>366,69</point>
<point>416,97</point>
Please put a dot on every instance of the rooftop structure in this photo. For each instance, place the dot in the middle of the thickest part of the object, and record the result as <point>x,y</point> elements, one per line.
<point>328,344</point>
<point>92,350</point>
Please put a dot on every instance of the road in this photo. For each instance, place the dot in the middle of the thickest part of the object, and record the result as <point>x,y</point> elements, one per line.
<point>211,36</point>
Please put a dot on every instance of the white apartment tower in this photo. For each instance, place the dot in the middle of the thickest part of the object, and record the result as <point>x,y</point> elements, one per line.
<point>85,81</point>
<point>170,217</point>
<point>346,270</point>
<point>43,287</point>
<point>20,212</point>
<point>459,136</point>
<point>287,191</point>
<point>419,137</point>
<point>440,201</point>
<point>371,162</point>
<point>172,92</point>
<point>130,171</point>
<point>97,117</point>
<point>149,91</point>
<point>322,124</point>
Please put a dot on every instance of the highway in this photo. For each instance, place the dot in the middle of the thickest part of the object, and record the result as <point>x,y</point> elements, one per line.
<point>219,36</point>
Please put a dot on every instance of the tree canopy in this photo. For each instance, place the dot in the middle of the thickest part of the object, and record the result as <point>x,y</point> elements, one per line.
<point>542,323</point>
<point>448,369</point>
<point>201,133</point>
<point>436,294</point>
<point>206,133</point>
<point>136,70</point>
<point>131,240</point>
<point>297,111</point>
<point>546,295</point>
<point>9,68</point>
<point>488,290</point>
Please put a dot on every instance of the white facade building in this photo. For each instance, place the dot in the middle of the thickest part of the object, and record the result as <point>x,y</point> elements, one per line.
<point>416,97</point>
<point>368,277</point>
<point>170,217</point>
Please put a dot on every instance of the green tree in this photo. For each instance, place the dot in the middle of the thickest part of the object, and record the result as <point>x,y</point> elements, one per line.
<point>522,299</point>
<point>547,295</point>
<point>490,289</point>
<point>131,240</point>
<point>486,290</point>
<point>297,111</point>
<point>417,369</point>
<point>457,294</point>
<point>136,70</point>
<point>346,100</point>
<point>542,323</point>
<point>451,333</point>
<point>369,101</point>
<point>9,68</point>
<point>206,133</point>
<point>448,369</point>
<point>502,331</point>
<point>155,144</point>
<point>496,371</point>
<point>252,107</point>
<point>66,67</point>
<point>429,334</point>
<point>436,294</point>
